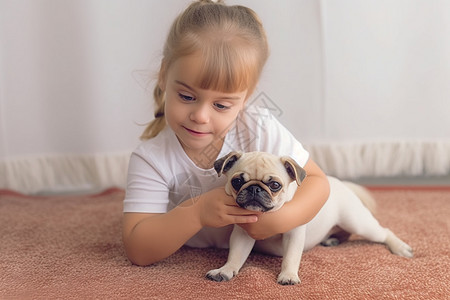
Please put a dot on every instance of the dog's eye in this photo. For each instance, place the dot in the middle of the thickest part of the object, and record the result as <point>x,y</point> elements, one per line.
<point>274,186</point>
<point>237,183</point>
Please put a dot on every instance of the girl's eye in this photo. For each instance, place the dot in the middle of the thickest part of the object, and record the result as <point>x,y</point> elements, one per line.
<point>186,97</point>
<point>221,106</point>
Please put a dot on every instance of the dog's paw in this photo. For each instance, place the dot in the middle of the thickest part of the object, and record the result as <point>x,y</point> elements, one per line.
<point>222,274</point>
<point>285,278</point>
<point>330,242</point>
<point>398,247</point>
<point>402,249</point>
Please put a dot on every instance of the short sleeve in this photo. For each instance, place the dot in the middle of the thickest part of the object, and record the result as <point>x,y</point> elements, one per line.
<point>147,191</point>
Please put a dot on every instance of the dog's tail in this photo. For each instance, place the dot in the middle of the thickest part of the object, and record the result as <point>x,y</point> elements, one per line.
<point>364,195</point>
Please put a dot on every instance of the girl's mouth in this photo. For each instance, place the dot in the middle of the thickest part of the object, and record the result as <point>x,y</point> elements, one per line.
<point>195,133</point>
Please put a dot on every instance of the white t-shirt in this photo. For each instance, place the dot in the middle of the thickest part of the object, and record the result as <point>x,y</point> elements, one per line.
<point>161,175</point>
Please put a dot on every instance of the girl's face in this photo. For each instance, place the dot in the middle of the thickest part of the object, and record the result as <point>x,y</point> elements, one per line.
<point>200,118</point>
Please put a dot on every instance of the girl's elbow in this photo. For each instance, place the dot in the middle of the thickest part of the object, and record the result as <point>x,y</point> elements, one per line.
<point>321,186</point>
<point>326,187</point>
<point>135,254</point>
<point>138,261</point>
<point>138,257</point>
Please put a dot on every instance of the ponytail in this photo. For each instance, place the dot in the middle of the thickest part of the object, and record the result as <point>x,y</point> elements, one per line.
<point>158,124</point>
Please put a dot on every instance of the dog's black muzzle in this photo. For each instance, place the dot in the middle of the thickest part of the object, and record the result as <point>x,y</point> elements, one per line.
<point>254,197</point>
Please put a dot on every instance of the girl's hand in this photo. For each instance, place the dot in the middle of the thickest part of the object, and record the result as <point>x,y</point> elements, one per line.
<point>148,238</point>
<point>309,198</point>
<point>269,224</point>
<point>217,209</point>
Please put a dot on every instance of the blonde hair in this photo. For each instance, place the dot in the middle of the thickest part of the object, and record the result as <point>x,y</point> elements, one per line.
<point>231,41</point>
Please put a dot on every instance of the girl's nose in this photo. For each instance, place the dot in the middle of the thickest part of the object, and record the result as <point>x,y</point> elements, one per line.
<point>200,114</point>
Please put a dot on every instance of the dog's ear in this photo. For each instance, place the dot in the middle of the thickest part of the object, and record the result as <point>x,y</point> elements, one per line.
<point>296,172</point>
<point>223,164</point>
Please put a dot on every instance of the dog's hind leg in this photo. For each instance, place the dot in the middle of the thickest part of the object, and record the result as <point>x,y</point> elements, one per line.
<point>335,237</point>
<point>356,218</point>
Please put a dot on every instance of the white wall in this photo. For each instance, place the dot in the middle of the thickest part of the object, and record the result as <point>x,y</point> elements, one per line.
<point>67,68</point>
<point>387,69</point>
<point>75,79</point>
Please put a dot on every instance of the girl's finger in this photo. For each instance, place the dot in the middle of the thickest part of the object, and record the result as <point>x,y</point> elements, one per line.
<point>245,219</point>
<point>238,211</point>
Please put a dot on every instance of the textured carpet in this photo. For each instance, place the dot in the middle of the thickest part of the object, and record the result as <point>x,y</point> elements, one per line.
<point>69,247</point>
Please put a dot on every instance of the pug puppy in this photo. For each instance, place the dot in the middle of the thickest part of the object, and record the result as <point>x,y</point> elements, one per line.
<point>261,181</point>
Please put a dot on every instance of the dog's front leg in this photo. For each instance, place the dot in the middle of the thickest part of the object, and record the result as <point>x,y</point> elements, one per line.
<point>241,245</point>
<point>293,245</point>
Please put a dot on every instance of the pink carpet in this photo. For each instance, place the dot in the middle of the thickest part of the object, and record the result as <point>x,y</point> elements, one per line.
<point>69,247</point>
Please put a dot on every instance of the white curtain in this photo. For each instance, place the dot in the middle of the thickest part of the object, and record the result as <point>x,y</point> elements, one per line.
<point>360,83</point>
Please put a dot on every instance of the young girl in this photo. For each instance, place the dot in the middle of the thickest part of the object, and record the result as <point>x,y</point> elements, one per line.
<point>212,60</point>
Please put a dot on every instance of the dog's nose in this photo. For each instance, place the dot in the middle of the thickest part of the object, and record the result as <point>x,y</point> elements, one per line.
<point>254,189</point>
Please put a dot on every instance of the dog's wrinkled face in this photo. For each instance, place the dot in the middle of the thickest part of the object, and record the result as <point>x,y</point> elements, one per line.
<point>259,181</point>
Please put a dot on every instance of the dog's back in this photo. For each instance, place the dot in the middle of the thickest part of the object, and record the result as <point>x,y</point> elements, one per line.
<point>363,194</point>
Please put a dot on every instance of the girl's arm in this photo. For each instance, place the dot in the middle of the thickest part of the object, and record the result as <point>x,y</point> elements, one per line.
<point>309,198</point>
<point>149,238</point>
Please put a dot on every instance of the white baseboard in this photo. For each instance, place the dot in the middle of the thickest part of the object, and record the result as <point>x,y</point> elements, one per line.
<point>64,173</point>
<point>72,173</point>
<point>382,158</point>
